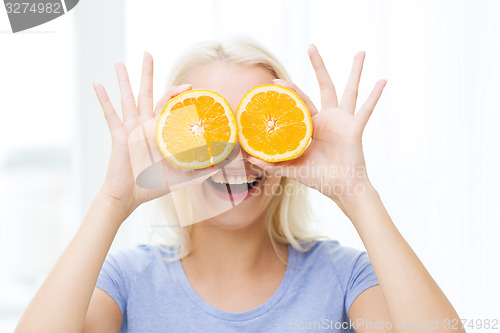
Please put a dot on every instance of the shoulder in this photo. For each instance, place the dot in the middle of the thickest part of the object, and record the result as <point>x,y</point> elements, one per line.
<point>336,266</point>
<point>125,269</point>
<point>343,261</point>
<point>332,251</point>
<point>131,261</point>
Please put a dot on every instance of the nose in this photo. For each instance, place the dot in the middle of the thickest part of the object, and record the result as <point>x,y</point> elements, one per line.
<point>244,154</point>
<point>237,155</point>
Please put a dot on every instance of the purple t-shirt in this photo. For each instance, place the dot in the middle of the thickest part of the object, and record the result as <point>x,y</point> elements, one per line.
<point>316,292</point>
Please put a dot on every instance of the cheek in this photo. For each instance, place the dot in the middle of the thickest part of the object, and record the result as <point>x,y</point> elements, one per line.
<point>271,187</point>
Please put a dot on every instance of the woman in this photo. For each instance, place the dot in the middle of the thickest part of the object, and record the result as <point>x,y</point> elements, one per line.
<point>256,267</point>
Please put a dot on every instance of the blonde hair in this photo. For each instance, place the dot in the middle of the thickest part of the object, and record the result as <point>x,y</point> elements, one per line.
<point>289,219</point>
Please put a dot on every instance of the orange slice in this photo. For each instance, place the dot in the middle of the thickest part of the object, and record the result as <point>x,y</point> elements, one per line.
<point>274,124</point>
<point>196,129</point>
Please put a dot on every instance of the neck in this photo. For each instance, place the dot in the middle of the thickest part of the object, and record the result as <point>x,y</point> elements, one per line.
<point>221,251</point>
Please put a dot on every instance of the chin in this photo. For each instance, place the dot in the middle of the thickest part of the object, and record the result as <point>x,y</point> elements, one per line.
<point>242,215</point>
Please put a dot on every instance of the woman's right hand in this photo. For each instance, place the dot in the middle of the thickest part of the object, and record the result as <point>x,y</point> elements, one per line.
<point>120,187</point>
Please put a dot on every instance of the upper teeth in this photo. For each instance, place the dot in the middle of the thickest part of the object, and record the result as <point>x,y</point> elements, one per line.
<point>243,179</point>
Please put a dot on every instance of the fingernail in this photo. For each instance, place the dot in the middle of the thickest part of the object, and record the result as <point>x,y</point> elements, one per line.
<point>185,85</point>
<point>312,50</point>
<point>278,80</point>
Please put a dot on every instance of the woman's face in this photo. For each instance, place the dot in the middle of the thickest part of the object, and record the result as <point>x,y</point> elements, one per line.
<point>211,198</point>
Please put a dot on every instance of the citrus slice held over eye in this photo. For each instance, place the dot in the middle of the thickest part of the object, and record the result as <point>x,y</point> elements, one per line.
<point>274,124</point>
<point>196,129</point>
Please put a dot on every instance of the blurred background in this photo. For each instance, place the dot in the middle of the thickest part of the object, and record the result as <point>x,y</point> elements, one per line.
<point>431,146</point>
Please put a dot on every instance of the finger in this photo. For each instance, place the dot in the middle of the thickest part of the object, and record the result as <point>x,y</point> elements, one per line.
<point>172,92</point>
<point>350,94</point>
<point>113,120</point>
<point>366,110</point>
<point>326,87</point>
<point>304,97</point>
<point>145,99</point>
<point>129,109</point>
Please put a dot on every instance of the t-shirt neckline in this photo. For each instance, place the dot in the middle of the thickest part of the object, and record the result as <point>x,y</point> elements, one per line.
<point>239,316</point>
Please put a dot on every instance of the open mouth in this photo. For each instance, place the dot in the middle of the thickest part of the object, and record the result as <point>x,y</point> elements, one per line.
<point>234,187</point>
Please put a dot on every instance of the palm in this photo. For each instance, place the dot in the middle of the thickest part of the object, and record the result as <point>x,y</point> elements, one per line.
<point>336,146</point>
<point>120,172</point>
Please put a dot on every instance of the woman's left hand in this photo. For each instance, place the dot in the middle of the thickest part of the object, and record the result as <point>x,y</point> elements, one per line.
<point>333,163</point>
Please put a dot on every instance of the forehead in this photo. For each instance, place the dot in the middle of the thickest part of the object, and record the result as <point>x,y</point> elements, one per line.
<point>230,80</point>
